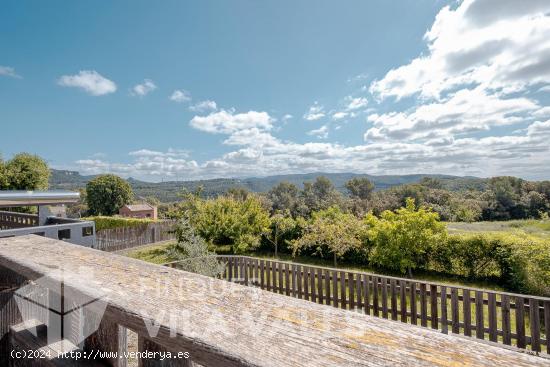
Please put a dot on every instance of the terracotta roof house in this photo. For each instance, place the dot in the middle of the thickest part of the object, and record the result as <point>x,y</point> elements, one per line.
<point>138,211</point>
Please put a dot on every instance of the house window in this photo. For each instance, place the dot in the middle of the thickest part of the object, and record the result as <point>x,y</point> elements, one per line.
<point>87,231</point>
<point>64,234</point>
<point>148,215</point>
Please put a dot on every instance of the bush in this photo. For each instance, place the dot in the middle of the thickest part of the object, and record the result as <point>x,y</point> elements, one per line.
<point>228,221</point>
<point>403,240</point>
<point>191,252</point>
<point>519,262</point>
<point>102,222</point>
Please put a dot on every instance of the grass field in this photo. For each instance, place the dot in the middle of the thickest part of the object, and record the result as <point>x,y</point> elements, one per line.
<point>532,227</point>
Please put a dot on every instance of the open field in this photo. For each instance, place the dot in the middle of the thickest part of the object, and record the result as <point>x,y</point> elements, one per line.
<point>536,228</point>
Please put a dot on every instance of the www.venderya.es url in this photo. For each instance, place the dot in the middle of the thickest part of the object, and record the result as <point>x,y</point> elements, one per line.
<point>98,354</point>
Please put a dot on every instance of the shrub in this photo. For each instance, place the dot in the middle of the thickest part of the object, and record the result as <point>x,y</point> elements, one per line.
<point>102,222</point>
<point>403,240</point>
<point>227,221</point>
<point>519,262</point>
<point>192,252</point>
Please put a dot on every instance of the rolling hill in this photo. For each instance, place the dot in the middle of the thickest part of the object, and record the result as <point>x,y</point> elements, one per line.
<point>167,191</point>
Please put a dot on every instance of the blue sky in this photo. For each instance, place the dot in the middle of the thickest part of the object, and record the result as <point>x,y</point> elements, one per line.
<point>201,89</point>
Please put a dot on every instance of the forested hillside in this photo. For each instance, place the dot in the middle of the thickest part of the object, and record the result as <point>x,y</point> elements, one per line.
<point>168,191</point>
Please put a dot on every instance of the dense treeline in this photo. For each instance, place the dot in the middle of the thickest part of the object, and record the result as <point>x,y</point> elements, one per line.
<point>502,198</point>
<point>403,237</point>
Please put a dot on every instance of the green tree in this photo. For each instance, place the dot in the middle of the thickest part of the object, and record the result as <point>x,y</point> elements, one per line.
<point>281,228</point>
<point>402,240</point>
<point>3,175</point>
<point>152,200</point>
<point>431,182</point>
<point>191,252</point>
<point>106,194</point>
<point>504,195</point>
<point>238,193</point>
<point>284,197</point>
<point>80,208</point>
<point>331,232</point>
<point>534,203</point>
<point>26,172</point>
<point>319,195</point>
<point>227,221</point>
<point>360,188</point>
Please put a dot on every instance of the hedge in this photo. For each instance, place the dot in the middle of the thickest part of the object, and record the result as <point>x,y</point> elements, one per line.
<point>518,262</point>
<point>104,222</point>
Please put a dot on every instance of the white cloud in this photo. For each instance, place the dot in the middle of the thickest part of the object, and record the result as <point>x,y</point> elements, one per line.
<point>9,71</point>
<point>90,81</point>
<point>259,153</point>
<point>204,106</point>
<point>315,112</point>
<point>321,133</point>
<point>339,116</point>
<point>463,112</point>
<point>542,113</point>
<point>287,118</point>
<point>180,96</point>
<point>356,103</point>
<point>506,48</point>
<point>144,88</point>
<point>153,153</point>
<point>227,122</point>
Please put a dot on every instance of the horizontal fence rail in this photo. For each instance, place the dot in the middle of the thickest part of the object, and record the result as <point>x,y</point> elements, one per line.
<point>116,239</point>
<point>506,318</point>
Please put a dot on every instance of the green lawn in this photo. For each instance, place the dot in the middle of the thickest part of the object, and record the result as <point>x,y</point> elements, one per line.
<point>536,228</point>
<point>155,254</point>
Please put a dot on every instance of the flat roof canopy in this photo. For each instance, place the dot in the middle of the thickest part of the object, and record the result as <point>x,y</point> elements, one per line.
<point>9,198</point>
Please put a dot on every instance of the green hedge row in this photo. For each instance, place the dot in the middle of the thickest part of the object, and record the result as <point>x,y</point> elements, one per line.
<point>103,222</point>
<point>517,261</point>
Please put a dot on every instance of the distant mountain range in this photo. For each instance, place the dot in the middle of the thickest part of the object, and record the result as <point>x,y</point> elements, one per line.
<point>167,191</point>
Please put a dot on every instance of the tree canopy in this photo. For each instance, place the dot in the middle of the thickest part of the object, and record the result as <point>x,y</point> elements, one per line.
<point>331,232</point>
<point>401,240</point>
<point>24,172</point>
<point>106,194</point>
<point>360,187</point>
<point>227,221</point>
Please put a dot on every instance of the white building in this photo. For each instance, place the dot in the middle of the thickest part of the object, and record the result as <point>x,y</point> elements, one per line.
<point>51,220</point>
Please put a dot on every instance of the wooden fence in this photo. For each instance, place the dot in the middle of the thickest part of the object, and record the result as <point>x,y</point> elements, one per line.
<point>507,318</point>
<point>116,239</point>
